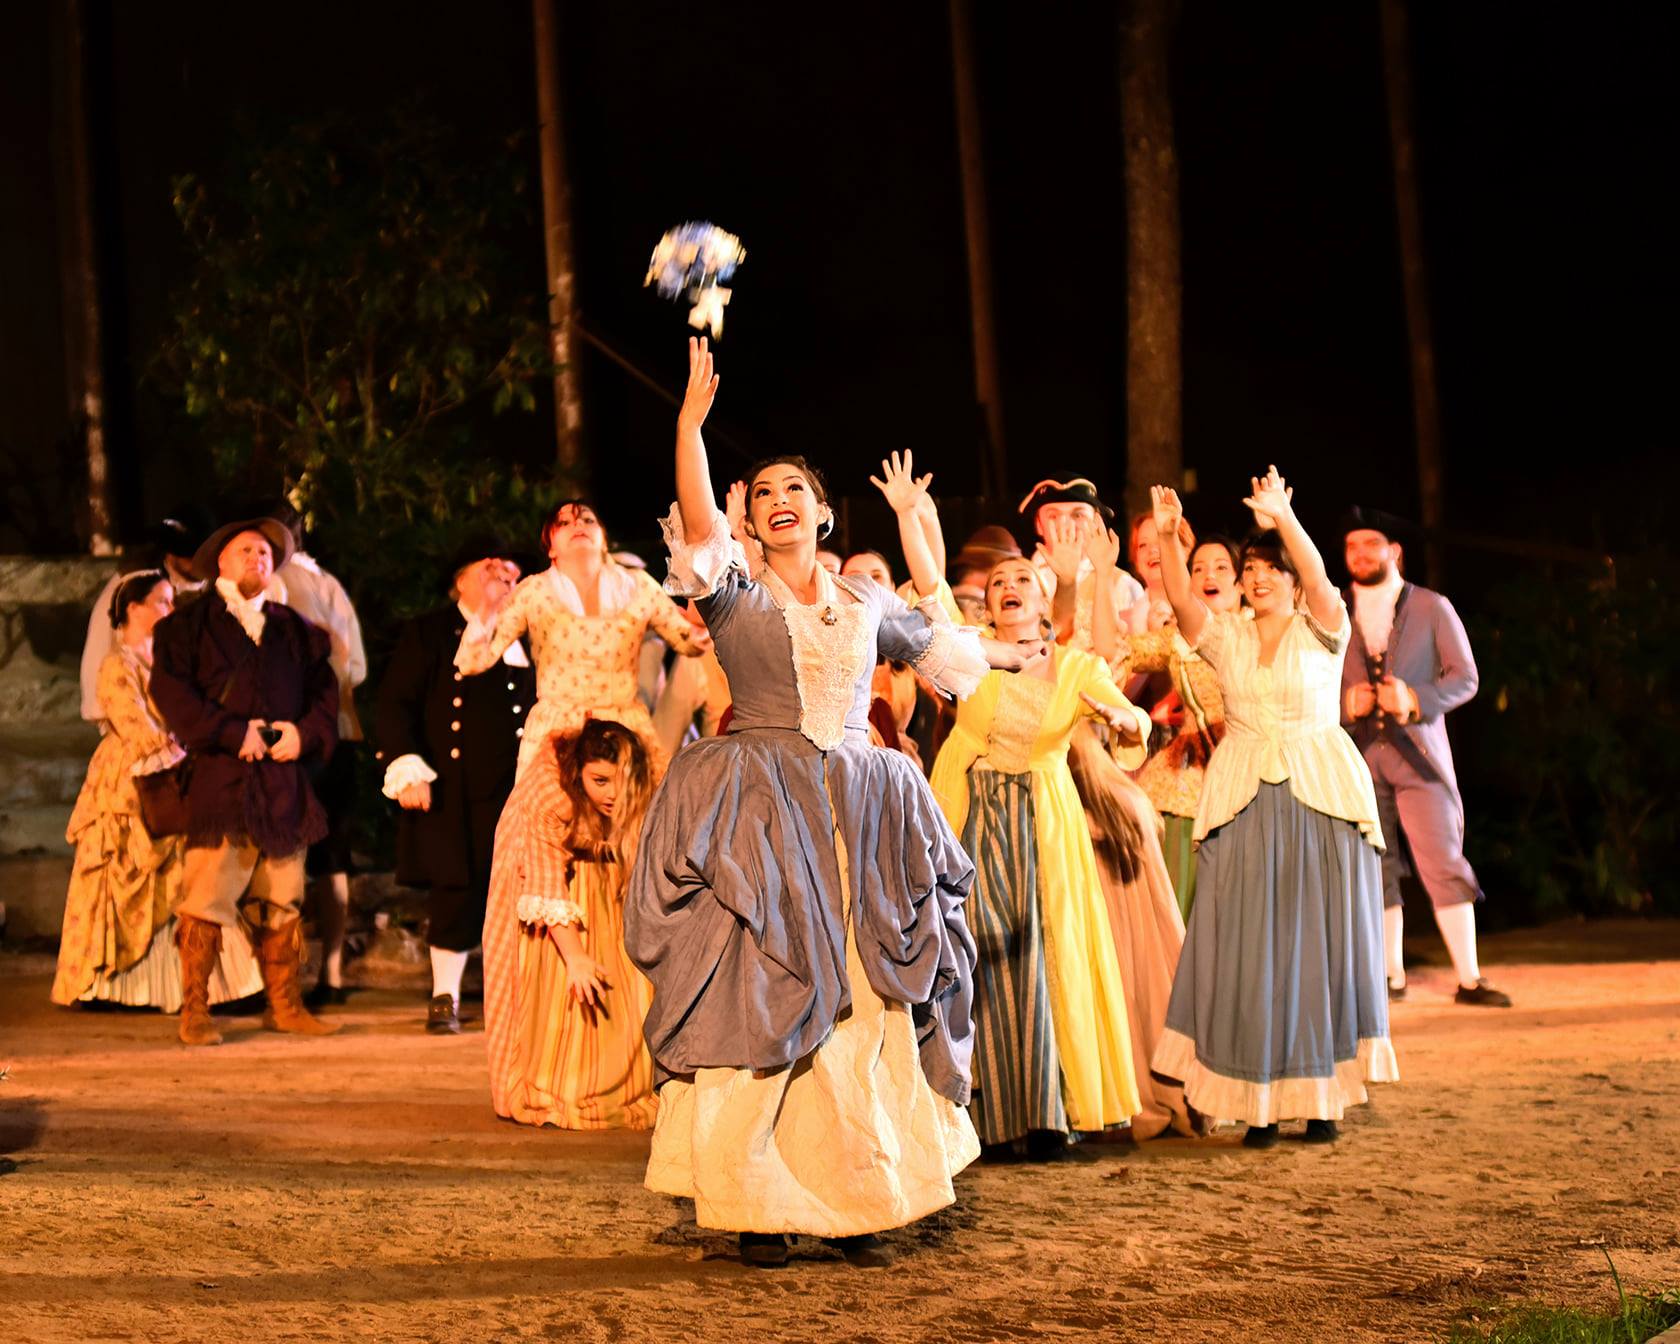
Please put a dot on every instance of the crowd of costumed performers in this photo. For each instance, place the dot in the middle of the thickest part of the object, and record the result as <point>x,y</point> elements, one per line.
<point>835,883</point>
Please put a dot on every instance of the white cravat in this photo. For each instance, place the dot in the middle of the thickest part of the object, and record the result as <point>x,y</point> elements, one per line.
<point>248,611</point>
<point>479,633</point>
<point>1373,609</point>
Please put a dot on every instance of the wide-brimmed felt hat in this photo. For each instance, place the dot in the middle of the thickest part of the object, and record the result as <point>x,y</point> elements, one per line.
<point>1064,490</point>
<point>279,536</point>
<point>985,548</point>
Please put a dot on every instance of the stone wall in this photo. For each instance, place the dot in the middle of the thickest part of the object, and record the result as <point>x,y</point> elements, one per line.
<point>44,744</point>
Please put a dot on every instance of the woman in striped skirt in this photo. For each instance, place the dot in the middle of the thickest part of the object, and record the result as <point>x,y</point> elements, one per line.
<point>1052,1043</point>
<point>563,1005</point>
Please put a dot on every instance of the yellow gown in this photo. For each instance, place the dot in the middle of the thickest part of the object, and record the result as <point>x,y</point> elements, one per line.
<point>1016,729</point>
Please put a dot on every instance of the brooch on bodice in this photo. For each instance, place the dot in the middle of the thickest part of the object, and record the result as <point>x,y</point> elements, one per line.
<point>829,616</point>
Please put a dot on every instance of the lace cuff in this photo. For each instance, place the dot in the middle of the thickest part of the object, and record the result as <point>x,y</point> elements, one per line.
<point>953,660</point>
<point>405,772</point>
<point>549,910</point>
<point>155,762</point>
<point>696,570</point>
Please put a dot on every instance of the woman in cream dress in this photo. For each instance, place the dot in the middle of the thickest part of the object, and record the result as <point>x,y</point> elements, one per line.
<point>586,616</point>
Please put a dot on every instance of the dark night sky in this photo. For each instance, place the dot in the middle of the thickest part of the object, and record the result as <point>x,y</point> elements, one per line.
<point>826,139</point>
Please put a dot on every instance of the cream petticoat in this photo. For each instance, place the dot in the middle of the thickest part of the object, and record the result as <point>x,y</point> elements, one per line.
<point>850,1139</point>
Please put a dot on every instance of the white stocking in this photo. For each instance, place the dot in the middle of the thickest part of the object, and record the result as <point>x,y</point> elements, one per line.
<point>1458,927</point>
<point>447,969</point>
<point>1394,920</point>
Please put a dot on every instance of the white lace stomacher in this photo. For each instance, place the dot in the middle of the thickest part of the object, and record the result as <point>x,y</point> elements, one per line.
<point>696,570</point>
<point>833,647</point>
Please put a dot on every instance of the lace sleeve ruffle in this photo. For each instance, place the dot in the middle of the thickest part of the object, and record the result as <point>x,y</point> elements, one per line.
<point>549,910</point>
<point>697,569</point>
<point>404,772</point>
<point>953,660</point>
<point>164,758</point>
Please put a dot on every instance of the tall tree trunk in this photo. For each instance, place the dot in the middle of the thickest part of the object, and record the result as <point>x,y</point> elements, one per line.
<point>557,239</point>
<point>1154,299</point>
<point>1426,406</point>
<point>994,475</point>
<point>84,347</point>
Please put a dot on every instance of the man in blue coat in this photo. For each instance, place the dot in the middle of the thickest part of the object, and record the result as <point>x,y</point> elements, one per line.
<point>1407,665</point>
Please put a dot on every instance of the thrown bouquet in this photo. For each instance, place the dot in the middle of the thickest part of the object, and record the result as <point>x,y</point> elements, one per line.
<point>692,260</point>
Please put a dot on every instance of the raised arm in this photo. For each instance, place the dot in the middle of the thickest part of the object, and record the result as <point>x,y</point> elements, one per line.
<point>1102,548</point>
<point>1190,610</point>
<point>480,655</point>
<point>1272,503</point>
<point>694,481</point>
<point>907,494</point>
<point>934,534</point>
<point>1064,546</point>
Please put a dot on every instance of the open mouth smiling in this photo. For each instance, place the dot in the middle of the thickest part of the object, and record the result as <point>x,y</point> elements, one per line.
<point>783,519</point>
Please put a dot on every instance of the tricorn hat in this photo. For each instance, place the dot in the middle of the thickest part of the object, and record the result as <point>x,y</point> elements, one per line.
<point>1069,490</point>
<point>478,546</point>
<point>1360,519</point>
<point>279,536</point>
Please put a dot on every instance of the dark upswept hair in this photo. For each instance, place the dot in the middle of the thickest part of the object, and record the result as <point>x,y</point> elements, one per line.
<point>1218,539</point>
<point>553,520</point>
<point>605,740</point>
<point>810,473</point>
<point>135,588</point>
<point>1268,546</point>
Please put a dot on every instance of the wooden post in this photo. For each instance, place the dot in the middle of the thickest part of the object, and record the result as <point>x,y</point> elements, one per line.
<point>1414,278</point>
<point>84,347</point>
<point>994,467</point>
<point>1154,299</point>
<point>557,240</point>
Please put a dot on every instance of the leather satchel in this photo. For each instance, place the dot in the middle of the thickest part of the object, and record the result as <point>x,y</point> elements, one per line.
<point>163,800</point>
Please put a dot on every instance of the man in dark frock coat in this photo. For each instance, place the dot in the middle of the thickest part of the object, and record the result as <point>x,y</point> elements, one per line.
<point>246,686</point>
<point>450,746</point>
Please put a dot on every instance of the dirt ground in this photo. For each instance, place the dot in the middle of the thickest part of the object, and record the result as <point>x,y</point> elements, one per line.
<point>360,1188</point>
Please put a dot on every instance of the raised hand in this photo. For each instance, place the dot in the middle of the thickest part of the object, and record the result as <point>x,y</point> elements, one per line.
<point>1269,498</point>
<point>735,510</point>
<point>904,491</point>
<point>1064,546</point>
<point>1122,724</point>
<point>1102,548</point>
<point>702,384</point>
<point>1166,509</point>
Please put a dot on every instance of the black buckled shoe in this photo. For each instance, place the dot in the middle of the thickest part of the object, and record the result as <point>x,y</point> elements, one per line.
<point>1482,995</point>
<point>865,1251</point>
<point>441,1018</point>
<point>1261,1136</point>
<point>1322,1131</point>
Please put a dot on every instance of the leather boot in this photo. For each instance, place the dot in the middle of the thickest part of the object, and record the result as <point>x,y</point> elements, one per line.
<point>280,952</point>
<point>200,943</point>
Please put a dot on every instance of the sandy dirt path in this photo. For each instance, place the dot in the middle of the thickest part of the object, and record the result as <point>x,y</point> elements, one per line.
<point>359,1188</point>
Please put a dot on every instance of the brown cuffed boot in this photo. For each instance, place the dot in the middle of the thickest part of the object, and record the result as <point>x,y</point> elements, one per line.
<point>280,951</point>
<point>200,943</point>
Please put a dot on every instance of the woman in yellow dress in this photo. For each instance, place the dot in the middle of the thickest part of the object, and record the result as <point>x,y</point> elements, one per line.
<point>563,1005</point>
<point>117,943</point>
<point>1053,1048</point>
<point>586,616</point>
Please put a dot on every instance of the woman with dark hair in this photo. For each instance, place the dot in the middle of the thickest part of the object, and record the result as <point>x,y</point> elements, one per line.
<point>1279,1009</point>
<point>586,616</point>
<point>1053,1049</point>
<point>1172,776</point>
<point>797,896</point>
<point>117,943</point>
<point>563,1005</point>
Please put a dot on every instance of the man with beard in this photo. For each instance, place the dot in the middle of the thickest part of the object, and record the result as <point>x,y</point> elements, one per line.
<point>247,687</point>
<point>1409,663</point>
